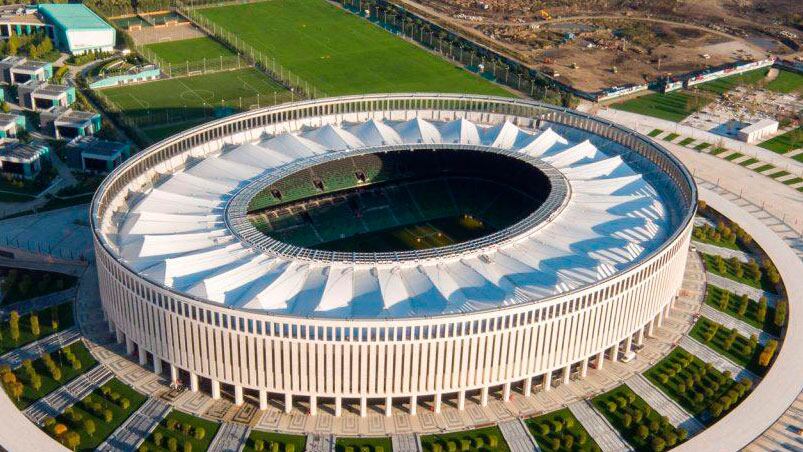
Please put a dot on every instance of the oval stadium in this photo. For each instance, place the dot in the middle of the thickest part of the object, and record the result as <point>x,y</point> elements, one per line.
<point>393,251</point>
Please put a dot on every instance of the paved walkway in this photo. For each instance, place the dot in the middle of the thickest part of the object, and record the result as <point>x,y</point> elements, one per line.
<point>131,433</point>
<point>517,436</point>
<point>744,328</point>
<point>663,404</point>
<point>726,253</point>
<point>326,443</point>
<point>230,438</point>
<point>741,289</point>
<point>43,262</point>
<point>57,401</point>
<point>606,437</point>
<point>38,303</point>
<point>35,349</point>
<point>721,363</point>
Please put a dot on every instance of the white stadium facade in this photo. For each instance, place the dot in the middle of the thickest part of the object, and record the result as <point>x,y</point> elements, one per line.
<point>192,287</point>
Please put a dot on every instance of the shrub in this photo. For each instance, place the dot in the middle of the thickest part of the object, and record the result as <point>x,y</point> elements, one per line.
<point>187,446</point>
<point>642,432</point>
<point>125,403</point>
<point>49,422</point>
<point>638,416</point>
<point>171,424</point>
<point>435,448</point>
<point>627,420</point>
<point>465,445</point>
<point>200,433</point>
<point>157,438</point>
<point>682,388</point>
<point>568,442</point>
<point>658,444</point>
<point>622,402</point>
<point>59,429</point>
<point>557,425</point>
<point>259,445</point>
<point>682,434</point>
<point>108,415</point>
<point>114,396</point>
<point>544,427</point>
<point>612,407</point>
<point>451,446</point>
<point>172,445</point>
<point>493,441</point>
<point>555,443</point>
<point>582,437</point>
<point>478,442</point>
<point>292,448</point>
<point>671,439</point>
<point>568,422</point>
<point>89,427</point>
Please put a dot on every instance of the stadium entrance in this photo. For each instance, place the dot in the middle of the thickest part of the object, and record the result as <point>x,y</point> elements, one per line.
<point>399,200</point>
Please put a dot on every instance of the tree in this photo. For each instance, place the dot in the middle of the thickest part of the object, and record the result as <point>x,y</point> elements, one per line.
<point>13,45</point>
<point>642,432</point>
<point>658,444</point>
<point>187,446</point>
<point>14,325</point>
<point>157,438</point>
<point>780,313</point>
<point>761,312</point>
<point>200,432</point>
<point>545,429</point>
<point>172,445</point>
<point>36,382</point>
<point>72,439</point>
<point>108,415</point>
<point>743,303</point>
<point>35,325</point>
<point>89,427</point>
<point>259,445</point>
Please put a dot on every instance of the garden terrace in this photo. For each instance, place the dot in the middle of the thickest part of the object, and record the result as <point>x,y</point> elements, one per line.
<point>730,268</point>
<point>22,284</point>
<point>96,416</point>
<point>264,441</point>
<point>481,439</point>
<point>560,430</point>
<point>729,343</point>
<point>51,320</point>
<point>697,386</point>
<point>732,304</point>
<point>638,423</point>
<point>363,445</point>
<point>181,428</point>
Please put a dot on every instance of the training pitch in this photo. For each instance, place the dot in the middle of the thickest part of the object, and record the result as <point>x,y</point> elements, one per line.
<point>192,50</point>
<point>340,53</point>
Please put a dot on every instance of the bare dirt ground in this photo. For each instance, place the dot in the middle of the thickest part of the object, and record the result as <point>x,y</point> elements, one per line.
<point>150,35</point>
<point>593,44</point>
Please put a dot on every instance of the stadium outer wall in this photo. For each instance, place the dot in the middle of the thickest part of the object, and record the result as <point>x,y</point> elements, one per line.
<point>522,347</point>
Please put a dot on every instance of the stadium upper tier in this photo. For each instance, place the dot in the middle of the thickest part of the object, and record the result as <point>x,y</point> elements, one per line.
<point>182,230</point>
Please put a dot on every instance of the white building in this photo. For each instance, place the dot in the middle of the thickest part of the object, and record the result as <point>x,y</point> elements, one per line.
<point>759,131</point>
<point>191,287</point>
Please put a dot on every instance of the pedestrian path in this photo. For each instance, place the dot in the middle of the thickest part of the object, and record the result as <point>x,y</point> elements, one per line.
<point>744,328</point>
<point>606,437</point>
<point>35,349</point>
<point>133,432</point>
<point>517,436</point>
<point>326,443</point>
<point>740,288</point>
<point>38,303</point>
<point>719,362</point>
<point>230,437</point>
<point>726,253</point>
<point>663,404</point>
<point>57,401</point>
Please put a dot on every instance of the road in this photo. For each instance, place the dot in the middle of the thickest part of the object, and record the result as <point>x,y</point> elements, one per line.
<point>137,427</point>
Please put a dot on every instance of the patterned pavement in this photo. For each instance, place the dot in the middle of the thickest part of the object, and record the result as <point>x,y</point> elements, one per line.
<point>230,438</point>
<point>606,437</point>
<point>517,436</point>
<point>326,443</point>
<point>136,428</point>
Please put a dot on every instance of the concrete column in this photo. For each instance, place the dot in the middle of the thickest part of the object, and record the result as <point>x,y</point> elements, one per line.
<point>600,359</point>
<point>118,335</point>
<point>173,373</point>
<point>263,399</point>
<point>461,400</point>
<point>193,382</point>
<point>111,324</point>
<point>363,406</point>
<point>157,365</point>
<point>129,346</point>
<point>548,381</point>
<point>413,405</point>
<point>629,343</point>
<point>668,309</point>
<point>640,337</point>
<point>484,396</point>
<point>288,402</point>
<point>528,387</point>
<point>389,406</point>
<point>650,328</point>
<point>659,319</point>
<point>506,392</point>
<point>438,402</point>
<point>567,373</point>
<point>313,405</point>
<point>215,390</point>
<point>143,357</point>
<point>338,406</point>
<point>584,368</point>
<point>238,395</point>
<point>615,353</point>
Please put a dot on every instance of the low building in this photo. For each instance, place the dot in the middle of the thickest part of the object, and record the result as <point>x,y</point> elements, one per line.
<point>96,155</point>
<point>16,70</point>
<point>77,29</point>
<point>66,123</point>
<point>22,21</point>
<point>38,96</point>
<point>22,160</point>
<point>11,125</point>
<point>758,131</point>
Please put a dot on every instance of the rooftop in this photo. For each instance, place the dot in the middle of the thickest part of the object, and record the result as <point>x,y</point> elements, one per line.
<point>76,116</point>
<point>96,146</point>
<point>73,16</point>
<point>21,152</point>
<point>8,118</point>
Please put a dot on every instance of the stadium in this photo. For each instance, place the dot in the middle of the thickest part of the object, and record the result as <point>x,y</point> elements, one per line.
<point>391,251</point>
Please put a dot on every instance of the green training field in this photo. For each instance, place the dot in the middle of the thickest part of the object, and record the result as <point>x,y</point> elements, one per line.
<point>725,84</point>
<point>787,82</point>
<point>674,106</point>
<point>340,53</point>
<point>786,142</point>
<point>192,50</point>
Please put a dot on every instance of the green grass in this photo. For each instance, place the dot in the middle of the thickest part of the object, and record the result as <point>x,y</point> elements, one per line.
<point>730,272</point>
<point>718,151</point>
<point>713,298</point>
<point>778,174</point>
<point>267,438</point>
<point>748,162</point>
<point>702,146</point>
<point>710,378</point>
<point>192,50</point>
<point>478,440</point>
<point>63,313</point>
<point>340,53</point>
<point>793,181</point>
<point>360,443</point>
<point>633,403</point>
<point>655,132</point>
<point>736,352</point>
<point>674,106</point>
<point>785,142</point>
<point>30,395</point>
<point>209,427</point>
<point>21,284</point>
<point>763,168</point>
<point>733,156</point>
<point>103,428</point>
<point>671,137</point>
<point>725,84</point>
<point>548,441</point>
<point>180,103</point>
<point>787,82</point>
<point>686,141</point>
<point>158,133</point>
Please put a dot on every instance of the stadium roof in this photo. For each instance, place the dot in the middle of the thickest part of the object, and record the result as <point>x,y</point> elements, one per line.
<point>176,233</point>
<point>71,16</point>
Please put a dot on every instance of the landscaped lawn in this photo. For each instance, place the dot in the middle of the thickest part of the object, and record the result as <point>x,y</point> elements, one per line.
<point>711,266</point>
<point>725,84</point>
<point>741,351</point>
<point>62,315</point>
<point>671,137</point>
<point>21,284</point>
<point>763,168</point>
<point>93,406</point>
<point>68,372</point>
<point>718,151</point>
<point>340,53</point>
<point>686,141</point>
<point>787,82</point>
<point>702,146</point>
<point>621,404</point>
<point>192,50</point>
<point>185,429</point>
<point>733,156</point>
<point>655,132</point>
<point>694,384</point>
<point>481,439</point>
<point>674,106</point>
<point>785,142</point>
<point>552,430</point>
<point>713,298</point>
<point>268,438</point>
<point>748,162</point>
<point>364,445</point>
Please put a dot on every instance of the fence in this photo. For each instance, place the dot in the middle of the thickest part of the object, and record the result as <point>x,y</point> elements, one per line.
<point>187,68</point>
<point>264,62</point>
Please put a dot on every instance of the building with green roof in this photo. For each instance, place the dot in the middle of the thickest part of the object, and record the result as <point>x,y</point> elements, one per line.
<point>77,29</point>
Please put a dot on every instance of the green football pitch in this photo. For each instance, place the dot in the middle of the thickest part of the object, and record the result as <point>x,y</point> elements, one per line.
<point>192,50</point>
<point>340,53</point>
